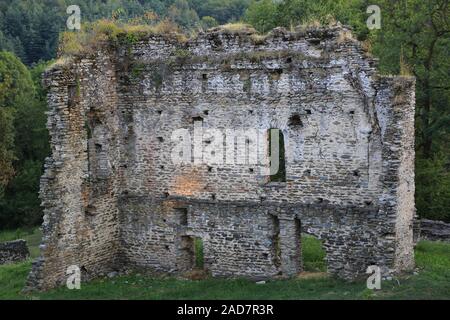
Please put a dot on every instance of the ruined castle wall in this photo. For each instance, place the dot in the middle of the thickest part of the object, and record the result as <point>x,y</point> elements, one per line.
<point>79,187</point>
<point>114,198</point>
<point>395,101</point>
<point>329,154</point>
<point>334,155</point>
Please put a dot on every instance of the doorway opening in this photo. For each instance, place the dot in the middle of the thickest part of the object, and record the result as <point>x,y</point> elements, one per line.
<point>313,254</point>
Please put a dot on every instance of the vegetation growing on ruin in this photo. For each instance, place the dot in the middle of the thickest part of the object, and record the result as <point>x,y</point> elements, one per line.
<point>93,36</point>
<point>432,281</point>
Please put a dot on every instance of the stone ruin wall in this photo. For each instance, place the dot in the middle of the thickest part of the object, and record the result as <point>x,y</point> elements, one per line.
<point>13,251</point>
<point>113,199</point>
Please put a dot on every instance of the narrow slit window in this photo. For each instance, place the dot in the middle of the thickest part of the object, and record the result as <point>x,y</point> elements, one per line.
<point>277,156</point>
<point>182,216</point>
<point>198,254</point>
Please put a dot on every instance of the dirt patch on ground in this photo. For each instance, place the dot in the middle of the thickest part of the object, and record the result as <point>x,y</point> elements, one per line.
<point>312,275</point>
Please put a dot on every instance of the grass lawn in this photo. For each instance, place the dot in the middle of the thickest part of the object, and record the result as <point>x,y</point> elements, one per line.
<point>432,282</point>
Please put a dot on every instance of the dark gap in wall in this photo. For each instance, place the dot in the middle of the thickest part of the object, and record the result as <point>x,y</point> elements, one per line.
<point>98,147</point>
<point>182,214</point>
<point>160,139</point>
<point>298,241</point>
<point>159,111</point>
<point>251,170</point>
<point>356,173</point>
<point>90,210</point>
<point>276,245</point>
<point>289,60</point>
<point>213,196</point>
<point>295,120</point>
<point>276,74</point>
<point>161,167</point>
<point>186,260</point>
<point>204,82</point>
<point>352,112</point>
<point>198,118</point>
<point>210,169</point>
<point>206,112</point>
<point>72,95</point>
<point>308,111</point>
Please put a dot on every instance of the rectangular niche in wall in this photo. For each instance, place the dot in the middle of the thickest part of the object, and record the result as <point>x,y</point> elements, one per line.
<point>191,254</point>
<point>182,216</point>
<point>72,95</point>
<point>186,256</point>
<point>276,249</point>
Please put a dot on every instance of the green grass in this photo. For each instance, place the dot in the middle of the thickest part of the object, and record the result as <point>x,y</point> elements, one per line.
<point>198,243</point>
<point>313,254</point>
<point>432,282</point>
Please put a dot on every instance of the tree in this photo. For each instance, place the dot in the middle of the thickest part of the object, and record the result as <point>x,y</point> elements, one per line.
<point>181,14</point>
<point>23,97</point>
<point>419,33</point>
<point>16,87</point>
<point>222,10</point>
<point>415,39</point>
<point>263,15</point>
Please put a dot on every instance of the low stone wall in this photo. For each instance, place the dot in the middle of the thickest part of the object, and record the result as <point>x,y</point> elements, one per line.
<point>434,230</point>
<point>13,251</point>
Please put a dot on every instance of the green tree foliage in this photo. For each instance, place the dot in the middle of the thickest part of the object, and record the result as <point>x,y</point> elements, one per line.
<point>22,95</point>
<point>433,184</point>
<point>16,87</point>
<point>415,39</point>
<point>265,15</point>
<point>6,147</point>
<point>208,22</point>
<point>222,11</point>
<point>181,13</point>
<point>30,28</point>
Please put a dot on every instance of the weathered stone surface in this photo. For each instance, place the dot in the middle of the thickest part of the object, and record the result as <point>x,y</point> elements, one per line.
<point>113,198</point>
<point>434,230</point>
<point>13,251</point>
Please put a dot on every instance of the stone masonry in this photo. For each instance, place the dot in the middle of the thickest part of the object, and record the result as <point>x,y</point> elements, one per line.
<point>13,251</point>
<point>114,199</point>
<point>434,230</point>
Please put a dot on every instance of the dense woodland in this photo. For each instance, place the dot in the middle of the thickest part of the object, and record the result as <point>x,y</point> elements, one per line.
<point>414,39</point>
